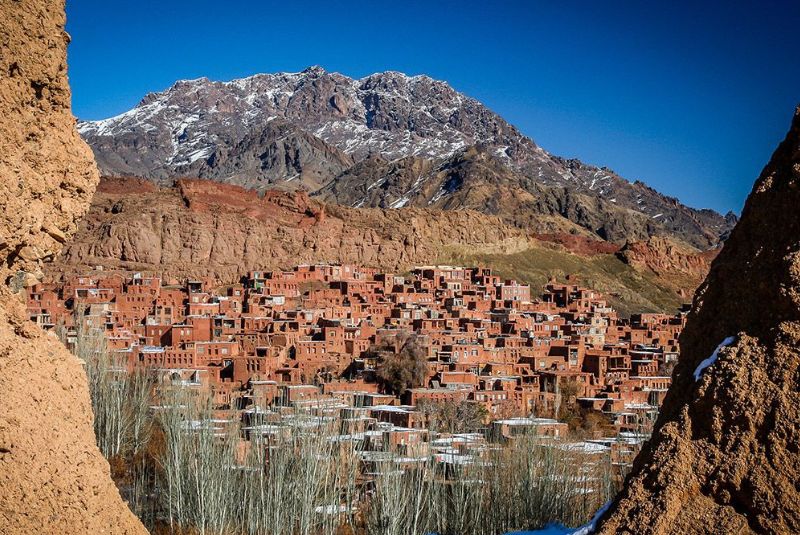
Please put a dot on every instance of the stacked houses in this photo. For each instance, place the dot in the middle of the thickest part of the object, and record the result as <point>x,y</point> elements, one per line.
<point>307,337</point>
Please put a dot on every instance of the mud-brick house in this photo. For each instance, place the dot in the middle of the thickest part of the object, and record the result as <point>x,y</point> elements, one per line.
<point>253,323</point>
<point>456,379</point>
<point>92,296</point>
<point>217,352</point>
<point>201,328</point>
<point>249,341</point>
<point>407,441</point>
<point>514,428</point>
<point>414,396</point>
<point>207,308</point>
<point>142,285</point>
<point>191,378</point>
<point>466,353</point>
<point>647,366</point>
<point>557,382</point>
<point>133,308</point>
<point>119,338</point>
<point>180,357</point>
<point>287,375</point>
<point>654,388</point>
<point>231,307</point>
<point>256,367</point>
<point>224,327</point>
<point>510,290</point>
<point>288,288</point>
<point>46,308</point>
<point>151,356</point>
<point>170,304</point>
<point>595,362</point>
<point>180,334</point>
<point>255,280</point>
<point>262,393</point>
<point>289,394</point>
<point>156,334</point>
<point>405,416</point>
<point>74,283</point>
<point>635,418</point>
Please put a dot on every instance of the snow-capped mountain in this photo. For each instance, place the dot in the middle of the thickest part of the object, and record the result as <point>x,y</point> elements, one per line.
<point>389,113</point>
<point>309,129</point>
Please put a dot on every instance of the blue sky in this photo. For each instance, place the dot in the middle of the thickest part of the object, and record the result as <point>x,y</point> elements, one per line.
<point>691,99</point>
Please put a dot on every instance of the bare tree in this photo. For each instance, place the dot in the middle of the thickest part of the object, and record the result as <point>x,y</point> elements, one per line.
<point>454,416</point>
<point>197,470</point>
<point>402,362</point>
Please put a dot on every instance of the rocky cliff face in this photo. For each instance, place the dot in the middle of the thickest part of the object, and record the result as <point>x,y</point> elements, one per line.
<point>203,228</point>
<point>673,263</point>
<point>52,476</point>
<point>724,456</point>
<point>387,140</point>
<point>48,177</point>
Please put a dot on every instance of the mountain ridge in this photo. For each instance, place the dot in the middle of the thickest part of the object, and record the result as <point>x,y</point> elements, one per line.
<point>306,130</point>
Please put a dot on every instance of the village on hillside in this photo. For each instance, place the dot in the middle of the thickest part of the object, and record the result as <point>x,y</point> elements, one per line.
<point>388,358</point>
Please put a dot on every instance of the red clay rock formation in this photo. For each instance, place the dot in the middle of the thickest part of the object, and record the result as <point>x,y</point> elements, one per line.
<point>725,454</point>
<point>204,228</point>
<point>52,476</point>
<point>676,265</point>
<point>665,256</point>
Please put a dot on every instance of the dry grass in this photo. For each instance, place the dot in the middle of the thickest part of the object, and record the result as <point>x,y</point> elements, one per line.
<point>627,289</point>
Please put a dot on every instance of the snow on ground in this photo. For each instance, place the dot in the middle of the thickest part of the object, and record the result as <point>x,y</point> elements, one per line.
<point>713,358</point>
<point>399,203</point>
<point>556,529</point>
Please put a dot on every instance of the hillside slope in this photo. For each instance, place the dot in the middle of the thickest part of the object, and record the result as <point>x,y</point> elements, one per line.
<point>202,228</point>
<point>475,178</point>
<point>205,228</point>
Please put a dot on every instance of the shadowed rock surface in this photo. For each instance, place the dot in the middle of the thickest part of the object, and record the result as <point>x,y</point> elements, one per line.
<point>725,454</point>
<point>53,478</point>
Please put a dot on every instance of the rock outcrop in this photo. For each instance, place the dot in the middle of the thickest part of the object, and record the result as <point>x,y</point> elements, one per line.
<point>203,228</point>
<point>673,263</point>
<point>48,179</point>
<point>725,453</point>
<point>52,476</point>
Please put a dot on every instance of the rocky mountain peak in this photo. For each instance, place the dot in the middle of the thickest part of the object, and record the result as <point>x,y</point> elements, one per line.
<point>308,129</point>
<point>314,70</point>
